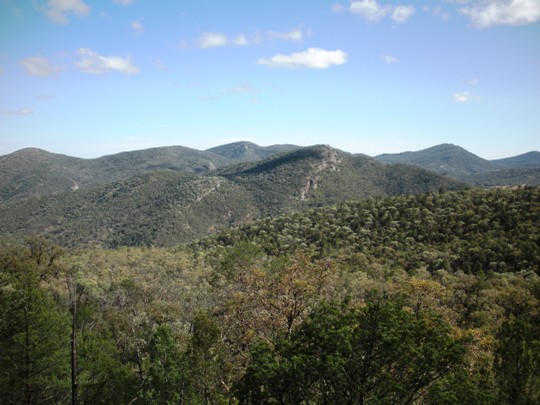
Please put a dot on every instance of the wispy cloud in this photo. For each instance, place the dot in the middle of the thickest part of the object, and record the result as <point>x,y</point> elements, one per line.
<point>489,13</point>
<point>402,14</point>
<point>93,63</point>
<point>371,10</point>
<point>137,26</point>
<point>59,10</point>
<point>465,97</point>
<point>209,40</point>
<point>312,58</point>
<point>45,97</point>
<point>240,40</point>
<point>295,35</point>
<point>39,66</point>
<point>24,111</point>
<point>389,59</point>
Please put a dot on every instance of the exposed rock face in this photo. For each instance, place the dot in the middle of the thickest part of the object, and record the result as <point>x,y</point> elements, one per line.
<point>329,160</point>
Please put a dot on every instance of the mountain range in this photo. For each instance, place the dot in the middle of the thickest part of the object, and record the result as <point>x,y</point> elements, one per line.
<point>171,195</point>
<point>452,160</point>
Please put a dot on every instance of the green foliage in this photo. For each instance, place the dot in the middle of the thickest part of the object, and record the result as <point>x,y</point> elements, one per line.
<point>103,377</point>
<point>34,333</point>
<point>472,231</point>
<point>165,382</point>
<point>434,298</point>
<point>168,207</point>
<point>517,358</point>
<point>452,160</point>
<point>342,355</point>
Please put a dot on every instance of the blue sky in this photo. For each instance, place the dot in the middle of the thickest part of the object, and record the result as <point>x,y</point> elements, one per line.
<point>89,78</point>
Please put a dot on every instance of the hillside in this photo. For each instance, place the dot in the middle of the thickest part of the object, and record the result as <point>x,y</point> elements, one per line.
<point>456,162</point>
<point>446,159</point>
<point>510,177</point>
<point>153,208</point>
<point>35,172</point>
<point>468,231</point>
<point>248,151</point>
<point>322,175</point>
<point>442,289</point>
<point>529,159</point>
<point>164,207</point>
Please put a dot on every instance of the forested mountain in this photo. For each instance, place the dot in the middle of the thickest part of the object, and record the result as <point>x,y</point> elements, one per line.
<point>322,175</point>
<point>413,299</point>
<point>472,230</point>
<point>248,151</point>
<point>455,161</point>
<point>164,207</point>
<point>445,159</point>
<point>529,159</point>
<point>35,172</point>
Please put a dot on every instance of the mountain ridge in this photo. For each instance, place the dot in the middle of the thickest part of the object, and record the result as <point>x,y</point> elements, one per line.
<point>167,207</point>
<point>455,161</point>
<point>34,171</point>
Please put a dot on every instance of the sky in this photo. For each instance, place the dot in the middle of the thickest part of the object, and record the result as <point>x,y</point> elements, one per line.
<point>90,78</point>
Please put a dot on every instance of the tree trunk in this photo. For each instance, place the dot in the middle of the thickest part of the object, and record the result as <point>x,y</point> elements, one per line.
<point>72,286</point>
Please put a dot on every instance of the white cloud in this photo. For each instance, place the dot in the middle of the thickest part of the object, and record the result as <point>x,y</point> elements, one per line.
<point>465,97</point>
<point>402,14</point>
<point>137,26</point>
<point>371,10</point>
<point>123,2</point>
<point>295,35</point>
<point>91,62</point>
<point>211,40</point>
<point>240,40</point>
<point>24,111</point>
<point>58,10</point>
<point>389,59</point>
<point>488,13</point>
<point>39,66</point>
<point>217,39</point>
<point>313,58</point>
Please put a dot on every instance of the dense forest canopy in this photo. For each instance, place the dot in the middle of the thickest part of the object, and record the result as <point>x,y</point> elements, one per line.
<point>432,298</point>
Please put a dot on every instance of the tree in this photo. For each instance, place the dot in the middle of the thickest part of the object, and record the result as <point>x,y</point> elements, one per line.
<point>342,355</point>
<point>517,360</point>
<point>34,333</point>
<point>165,382</point>
<point>209,368</point>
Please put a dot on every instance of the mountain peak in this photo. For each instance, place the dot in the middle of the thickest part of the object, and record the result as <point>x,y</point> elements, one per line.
<point>445,159</point>
<point>244,151</point>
